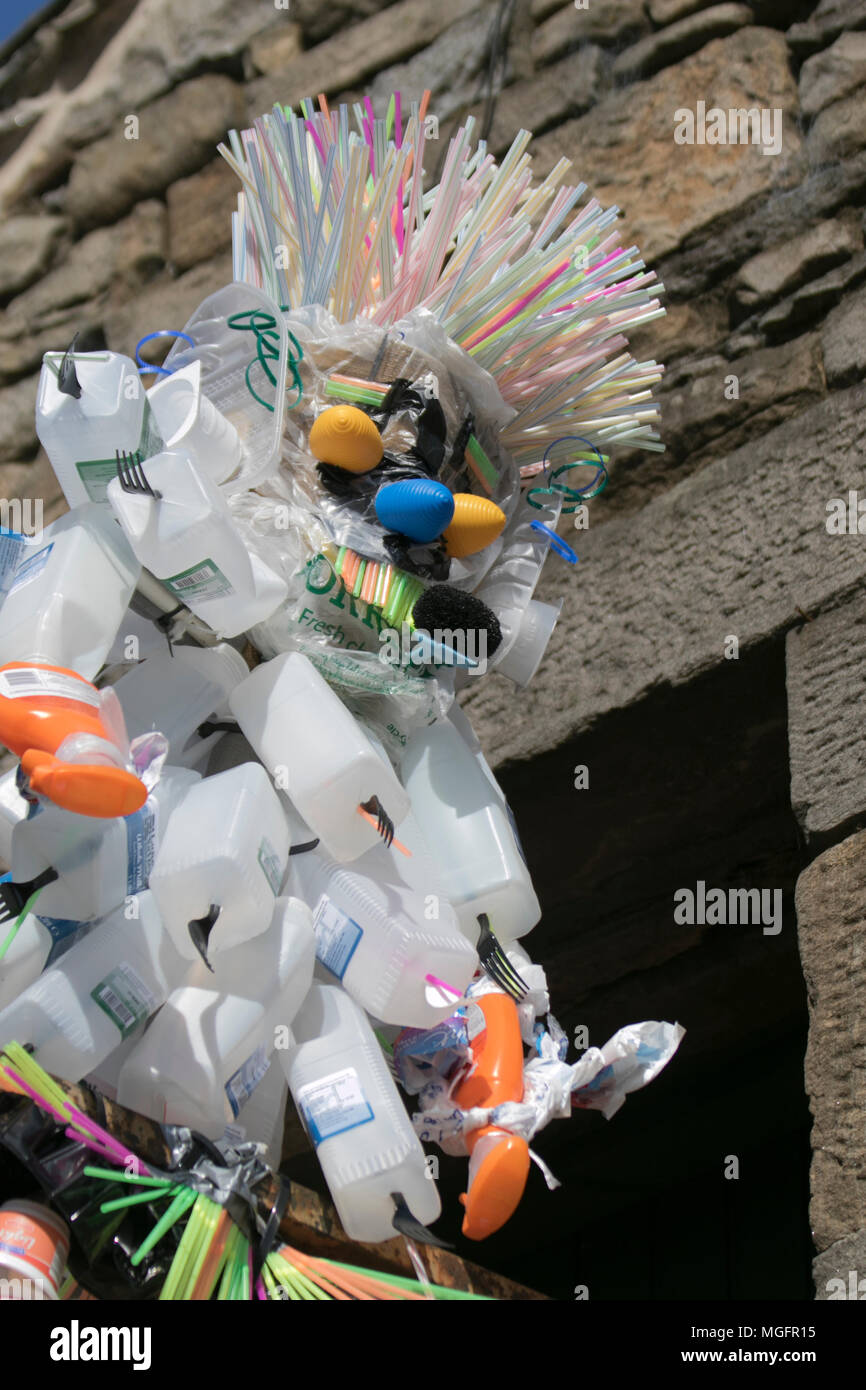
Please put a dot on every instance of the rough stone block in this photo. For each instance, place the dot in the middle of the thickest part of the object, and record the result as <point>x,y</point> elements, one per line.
<point>199,214</point>
<point>17,422</point>
<point>783,267</point>
<point>26,247</point>
<point>831,917</point>
<point>177,135</point>
<point>827,22</point>
<point>602,21</point>
<point>835,73</point>
<point>839,130</point>
<point>451,67</point>
<point>338,65</point>
<point>624,148</point>
<point>826,662</point>
<point>845,341</point>
<point>687,35</point>
<point>813,300</point>
<point>834,1267</point>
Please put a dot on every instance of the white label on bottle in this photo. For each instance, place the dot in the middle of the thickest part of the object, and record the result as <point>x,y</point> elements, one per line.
<point>203,581</point>
<point>141,829</point>
<point>30,566</point>
<point>475,1022</point>
<point>28,681</point>
<point>270,865</point>
<point>241,1085</point>
<point>333,1105</point>
<point>125,997</point>
<point>337,936</point>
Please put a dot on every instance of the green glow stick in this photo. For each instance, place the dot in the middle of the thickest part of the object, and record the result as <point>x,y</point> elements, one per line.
<point>182,1202</point>
<point>137,1198</point>
<point>115,1175</point>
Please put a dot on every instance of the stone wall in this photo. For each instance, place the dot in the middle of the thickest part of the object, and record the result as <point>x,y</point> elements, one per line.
<point>707,667</point>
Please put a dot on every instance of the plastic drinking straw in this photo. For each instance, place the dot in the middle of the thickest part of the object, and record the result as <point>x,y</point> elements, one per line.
<point>319,223</point>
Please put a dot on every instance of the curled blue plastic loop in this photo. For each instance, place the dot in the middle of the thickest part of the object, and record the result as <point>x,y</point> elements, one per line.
<point>556,542</point>
<point>145,367</point>
<point>577,495</point>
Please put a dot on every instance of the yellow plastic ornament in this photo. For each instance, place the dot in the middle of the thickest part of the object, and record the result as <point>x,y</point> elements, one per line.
<point>345,436</point>
<point>477,522</point>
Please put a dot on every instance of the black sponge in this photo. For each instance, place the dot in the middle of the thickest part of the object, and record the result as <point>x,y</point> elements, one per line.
<point>444,607</point>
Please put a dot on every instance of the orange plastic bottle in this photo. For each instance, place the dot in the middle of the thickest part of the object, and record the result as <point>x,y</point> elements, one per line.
<point>499,1161</point>
<point>40,707</point>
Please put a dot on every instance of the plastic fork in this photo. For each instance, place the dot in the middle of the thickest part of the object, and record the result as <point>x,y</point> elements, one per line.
<point>375,813</point>
<point>406,1224</point>
<point>131,475</point>
<point>495,963</point>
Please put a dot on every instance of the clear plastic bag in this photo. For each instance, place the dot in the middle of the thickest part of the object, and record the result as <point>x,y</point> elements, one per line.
<point>443,398</point>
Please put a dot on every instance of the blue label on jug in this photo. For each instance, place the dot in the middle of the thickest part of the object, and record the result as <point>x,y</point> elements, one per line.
<point>12,549</point>
<point>241,1085</point>
<point>337,936</point>
<point>333,1105</point>
<point>140,847</point>
<point>31,566</point>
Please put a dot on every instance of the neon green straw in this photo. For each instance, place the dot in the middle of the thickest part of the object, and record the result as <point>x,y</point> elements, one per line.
<point>190,1253</point>
<point>229,1266</point>
<point>210,1213</point>
<point>353,393</point>
<point>269,1281</point>
<point>293,1278</point>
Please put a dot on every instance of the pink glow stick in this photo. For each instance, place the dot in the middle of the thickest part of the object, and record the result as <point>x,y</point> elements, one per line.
<point>441,984</point>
